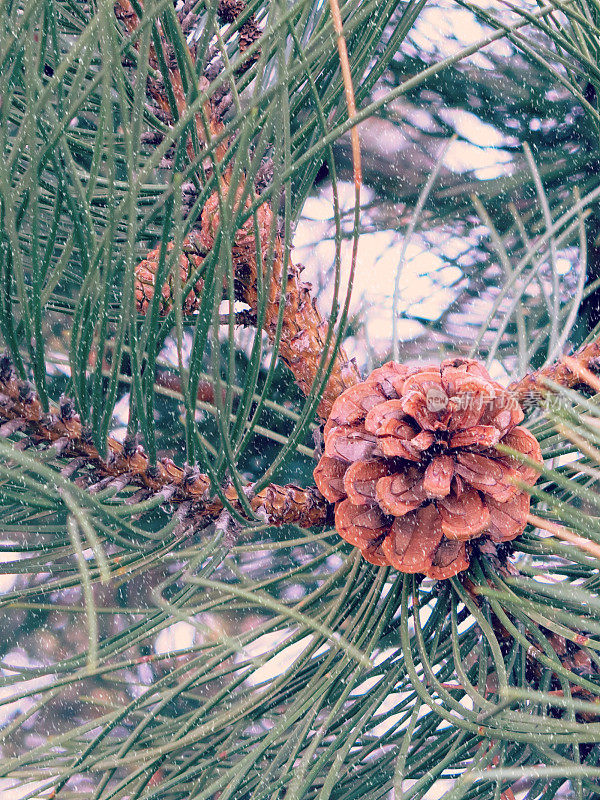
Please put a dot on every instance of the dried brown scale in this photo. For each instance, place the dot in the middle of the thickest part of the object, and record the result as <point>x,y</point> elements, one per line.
<point>291,505</point>
<point>248,34</point>
<point>411,464</point>
<point>145,273</point>
<point>205,393</point>
<point>229,11</point>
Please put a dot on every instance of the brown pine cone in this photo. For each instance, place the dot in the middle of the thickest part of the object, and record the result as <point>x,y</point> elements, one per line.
<point>411,464</point>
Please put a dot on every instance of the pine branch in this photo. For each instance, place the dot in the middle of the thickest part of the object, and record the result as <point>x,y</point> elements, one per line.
<point>202,725</point>
<point>570,372</point>
<point>303,334</point>
<point>128,464</point>
<point>303,338</point>
<point>572,659</point>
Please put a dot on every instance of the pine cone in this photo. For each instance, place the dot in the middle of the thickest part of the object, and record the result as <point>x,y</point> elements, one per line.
<point>411,465</point>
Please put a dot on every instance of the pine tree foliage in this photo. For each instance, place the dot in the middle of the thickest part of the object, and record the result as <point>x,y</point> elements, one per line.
<point>520,87</point>
<point>153,651</point>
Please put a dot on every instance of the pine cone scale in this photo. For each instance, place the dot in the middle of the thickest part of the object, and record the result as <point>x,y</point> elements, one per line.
<point>414,543</point>
<point>486,474</point>
<point>482,435</point>
<point>508,519</point>
<point>400,493</point>
<point>361,478</point>
<point>358,525</point>
<point>464,516</point>
<point>438,476</point>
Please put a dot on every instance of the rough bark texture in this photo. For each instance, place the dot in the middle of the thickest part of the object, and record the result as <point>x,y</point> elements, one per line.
<point>303,332</point>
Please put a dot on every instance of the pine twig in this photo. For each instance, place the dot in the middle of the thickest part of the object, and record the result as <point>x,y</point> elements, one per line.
<point>128,464</point>
<point>567,371</point>
<point>303,333</point>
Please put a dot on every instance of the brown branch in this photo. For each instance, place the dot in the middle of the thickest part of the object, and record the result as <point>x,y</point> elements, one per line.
<point>303,333</point>
<point>568,371</point>
<point>127,463</point>
<point>154,87</point>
